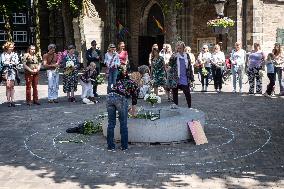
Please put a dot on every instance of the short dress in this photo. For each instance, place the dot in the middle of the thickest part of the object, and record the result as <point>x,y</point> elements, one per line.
<point>9,62</point>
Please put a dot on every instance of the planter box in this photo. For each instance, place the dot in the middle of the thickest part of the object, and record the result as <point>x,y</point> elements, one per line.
<point>220,30</point>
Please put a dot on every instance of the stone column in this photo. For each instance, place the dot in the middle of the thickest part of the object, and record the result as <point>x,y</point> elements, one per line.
<point>239,21</point>
<point>257,35</point>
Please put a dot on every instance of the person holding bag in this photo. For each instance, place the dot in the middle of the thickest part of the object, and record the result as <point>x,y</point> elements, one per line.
<point>112,62</point>
<point>32,67</point>
<point>71,65</point>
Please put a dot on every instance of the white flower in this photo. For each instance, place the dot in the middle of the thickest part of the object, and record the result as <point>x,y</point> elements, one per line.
<point>146,96</point>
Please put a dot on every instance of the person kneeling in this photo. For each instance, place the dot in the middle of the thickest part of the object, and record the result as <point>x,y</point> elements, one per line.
<point>123,89</point>
<point>88,75</point>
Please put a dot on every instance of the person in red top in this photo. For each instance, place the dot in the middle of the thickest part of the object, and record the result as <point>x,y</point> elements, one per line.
<point>123,55</point>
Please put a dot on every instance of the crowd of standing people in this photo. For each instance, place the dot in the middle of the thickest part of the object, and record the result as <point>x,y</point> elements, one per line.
<point>168,69</point>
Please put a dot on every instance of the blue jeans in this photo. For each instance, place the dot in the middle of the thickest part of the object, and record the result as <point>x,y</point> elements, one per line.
<point>118,103</point>
<point>111,78</point>
<point>278,71</point>
<point>237,72</point>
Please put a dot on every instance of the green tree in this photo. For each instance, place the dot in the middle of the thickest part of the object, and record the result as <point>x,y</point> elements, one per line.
<point>171,9</point>
<point>6,9</point>
<point>69,10</point>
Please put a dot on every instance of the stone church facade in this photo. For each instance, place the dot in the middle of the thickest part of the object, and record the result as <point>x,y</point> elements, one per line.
<point>255,21</point>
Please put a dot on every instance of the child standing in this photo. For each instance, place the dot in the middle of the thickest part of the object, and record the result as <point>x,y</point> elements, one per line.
<point>89,75</point>
<point>270,63</point>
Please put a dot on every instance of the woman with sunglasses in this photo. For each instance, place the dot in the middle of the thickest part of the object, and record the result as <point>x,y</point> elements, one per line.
<point>204,59</point>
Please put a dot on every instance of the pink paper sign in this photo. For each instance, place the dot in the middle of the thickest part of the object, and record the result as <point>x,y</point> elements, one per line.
<point>197,132</point>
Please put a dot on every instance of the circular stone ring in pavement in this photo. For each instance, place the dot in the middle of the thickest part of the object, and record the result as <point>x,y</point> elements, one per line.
<point>171,127</point>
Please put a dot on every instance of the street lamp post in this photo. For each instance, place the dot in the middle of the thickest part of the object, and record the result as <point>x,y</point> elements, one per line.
<point>219,6</point>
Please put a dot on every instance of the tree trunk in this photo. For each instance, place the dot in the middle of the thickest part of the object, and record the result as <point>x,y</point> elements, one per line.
<point>68,24</point>
<point>37,29</point>
<point>171,35</point>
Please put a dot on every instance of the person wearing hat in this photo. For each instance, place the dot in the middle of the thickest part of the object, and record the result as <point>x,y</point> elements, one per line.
<point>123,89</point>
<point>71,65</point>
<point>94,55</point>
<point>113,63</point>
<point>51,66</point>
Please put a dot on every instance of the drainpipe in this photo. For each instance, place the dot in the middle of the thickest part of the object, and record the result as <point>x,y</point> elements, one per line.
<point>244,24</point>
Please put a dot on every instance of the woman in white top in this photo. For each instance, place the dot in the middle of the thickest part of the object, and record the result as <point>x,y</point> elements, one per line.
<point>217,65</point>
<point>9,61</point>
<point>279,64</point>
<point>203,61</point>
<point>238,59</point>
<point>112,62</point>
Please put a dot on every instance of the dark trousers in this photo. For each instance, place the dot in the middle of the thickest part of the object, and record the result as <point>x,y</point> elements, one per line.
<point>186,91</point>
<point>217,74</point>
<point>270,86</point>
<point>95,85</point>
<point>205,77</point>
<point>31,82</point>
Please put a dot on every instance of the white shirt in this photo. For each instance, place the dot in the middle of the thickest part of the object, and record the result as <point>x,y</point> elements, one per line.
<point>238,57</point>
<point>206,58</point>
<point>218,58</point>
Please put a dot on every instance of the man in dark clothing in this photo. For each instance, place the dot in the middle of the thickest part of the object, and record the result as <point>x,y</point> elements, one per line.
<point>94,55</point>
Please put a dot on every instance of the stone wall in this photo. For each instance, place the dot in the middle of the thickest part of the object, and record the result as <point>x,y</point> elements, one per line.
<point>272,19</point>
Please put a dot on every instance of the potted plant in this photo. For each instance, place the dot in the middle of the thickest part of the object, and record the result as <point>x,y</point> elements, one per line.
<point>221,25</point>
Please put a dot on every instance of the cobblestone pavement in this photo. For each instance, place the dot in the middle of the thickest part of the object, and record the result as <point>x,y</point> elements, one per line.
<point>245,149</point>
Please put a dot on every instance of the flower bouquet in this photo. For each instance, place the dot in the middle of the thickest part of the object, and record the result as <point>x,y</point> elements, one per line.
<point>100,79</point>
<point>221,22</point>
<point>152,99</point>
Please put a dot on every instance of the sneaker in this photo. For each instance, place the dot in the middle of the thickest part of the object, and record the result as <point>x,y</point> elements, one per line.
<point>216,90</point>
<point>123,149</point>
<point>50,101</point>
<point>234,91</point>
<point>110,149</point>
<point>13,104</point>
<point>55,101</point>
<point>219,91</point>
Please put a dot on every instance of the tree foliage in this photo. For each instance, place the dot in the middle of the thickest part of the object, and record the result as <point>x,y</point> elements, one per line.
<point>75,6</point>
<point>169,6</point>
